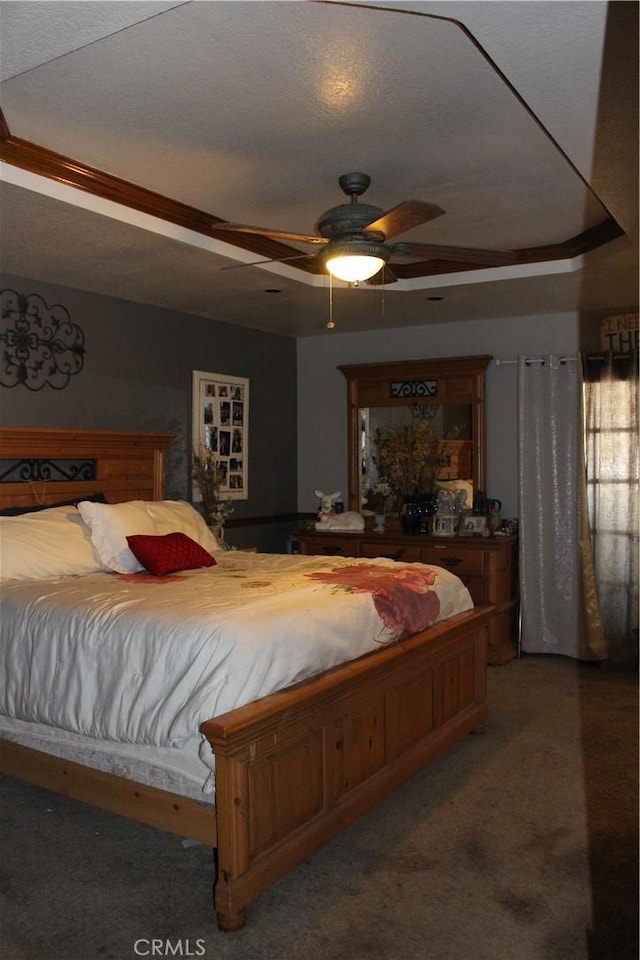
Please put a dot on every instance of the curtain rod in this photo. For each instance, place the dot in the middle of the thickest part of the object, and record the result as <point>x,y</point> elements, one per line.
<point>499,363</point>
<point>587,356</point>
<point>632,355</point>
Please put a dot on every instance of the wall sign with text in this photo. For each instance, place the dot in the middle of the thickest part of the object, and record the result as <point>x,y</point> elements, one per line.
<point>619,334</point>
<point>221,423</point>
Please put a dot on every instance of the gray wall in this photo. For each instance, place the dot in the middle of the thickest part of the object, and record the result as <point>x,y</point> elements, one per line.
<point>322,395</point>
<point>137,376</point>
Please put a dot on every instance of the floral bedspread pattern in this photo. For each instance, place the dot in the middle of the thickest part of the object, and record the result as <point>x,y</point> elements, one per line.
<point>144,660</point>
<point>404,598</point>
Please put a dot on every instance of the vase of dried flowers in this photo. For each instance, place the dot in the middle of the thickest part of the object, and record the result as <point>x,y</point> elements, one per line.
<point>382,499</point>
<point>378,523</point>
<point>410,455</point>
<point>208,479</point>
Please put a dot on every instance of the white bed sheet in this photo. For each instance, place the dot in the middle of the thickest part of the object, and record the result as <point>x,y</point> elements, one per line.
<point>139,660</point>
<point>180,771</point>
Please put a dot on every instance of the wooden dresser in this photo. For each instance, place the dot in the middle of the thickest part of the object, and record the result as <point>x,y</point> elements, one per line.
<point>487,565</point>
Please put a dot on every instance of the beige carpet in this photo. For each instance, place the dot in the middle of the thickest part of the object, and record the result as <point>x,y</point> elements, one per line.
<point>520,844</point>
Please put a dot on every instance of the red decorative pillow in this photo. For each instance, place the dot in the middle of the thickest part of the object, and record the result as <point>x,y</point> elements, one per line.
<point>168,553</point>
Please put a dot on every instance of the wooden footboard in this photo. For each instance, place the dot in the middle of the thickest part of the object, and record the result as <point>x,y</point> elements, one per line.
<point>294,769</point>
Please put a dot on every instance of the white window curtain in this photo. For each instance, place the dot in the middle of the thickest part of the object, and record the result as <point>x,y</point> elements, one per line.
<point>611,442</point>
<point>554,548</point>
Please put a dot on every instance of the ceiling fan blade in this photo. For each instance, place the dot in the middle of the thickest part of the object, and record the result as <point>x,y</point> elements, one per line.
<point>383,277</point>
<point>264,232</point>
<point>428,251</point>
<point>405,216</point>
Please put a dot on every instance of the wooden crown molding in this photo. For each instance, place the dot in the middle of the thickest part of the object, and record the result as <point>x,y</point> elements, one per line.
<point>4,128</point>
<point>46,163</point>
<point>39,160</point>
<point>588,240</point>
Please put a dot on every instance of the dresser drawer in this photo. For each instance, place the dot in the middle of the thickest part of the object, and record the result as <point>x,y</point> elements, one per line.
<point>475,586</point>
<point>408,553</point>
<point>329,546</point>
<point>455,558</point>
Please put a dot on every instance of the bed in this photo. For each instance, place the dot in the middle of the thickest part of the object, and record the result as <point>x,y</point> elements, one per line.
<point>266,775</point>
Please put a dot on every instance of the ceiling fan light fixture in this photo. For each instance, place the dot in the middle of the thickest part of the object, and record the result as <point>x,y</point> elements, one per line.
<point>354,260</point>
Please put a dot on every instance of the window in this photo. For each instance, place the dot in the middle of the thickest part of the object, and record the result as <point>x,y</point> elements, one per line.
<point>611,453</point>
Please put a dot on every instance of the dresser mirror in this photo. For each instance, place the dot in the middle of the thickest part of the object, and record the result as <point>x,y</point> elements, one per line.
<point>441,402</point>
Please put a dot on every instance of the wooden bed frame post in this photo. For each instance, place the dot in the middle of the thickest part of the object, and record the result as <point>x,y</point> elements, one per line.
<point>232,854</point>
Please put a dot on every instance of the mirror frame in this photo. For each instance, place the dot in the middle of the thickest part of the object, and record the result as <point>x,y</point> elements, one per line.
<point>459,380</point>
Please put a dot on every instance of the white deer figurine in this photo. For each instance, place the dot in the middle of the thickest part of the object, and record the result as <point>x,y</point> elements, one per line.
<point>328,519</point>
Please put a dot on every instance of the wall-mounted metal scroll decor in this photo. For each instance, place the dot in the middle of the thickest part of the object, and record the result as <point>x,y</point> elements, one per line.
<point>38,344</point>
<point>35,471</point>
<point>401,389</point>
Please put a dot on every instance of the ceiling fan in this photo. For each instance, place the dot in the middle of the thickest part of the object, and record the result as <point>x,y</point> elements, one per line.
<point>354,236</point>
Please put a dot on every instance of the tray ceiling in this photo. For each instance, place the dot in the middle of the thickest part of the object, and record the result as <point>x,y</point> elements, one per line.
<point>250,111</point>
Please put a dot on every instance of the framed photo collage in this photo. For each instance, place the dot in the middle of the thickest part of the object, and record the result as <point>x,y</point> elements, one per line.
<point>221,423</point>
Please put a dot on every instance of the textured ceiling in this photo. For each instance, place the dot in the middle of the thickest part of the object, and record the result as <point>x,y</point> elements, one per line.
<point>250,111</point>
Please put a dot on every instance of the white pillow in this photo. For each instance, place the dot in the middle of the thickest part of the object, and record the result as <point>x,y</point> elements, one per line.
<point>48,543</point>
<point>110,525</point>
<point>179,516</point>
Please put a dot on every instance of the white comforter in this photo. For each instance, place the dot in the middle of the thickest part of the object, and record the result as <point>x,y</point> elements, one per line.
<point>138,659</point>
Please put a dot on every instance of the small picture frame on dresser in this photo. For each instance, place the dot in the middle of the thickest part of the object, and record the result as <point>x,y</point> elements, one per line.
<point>444,526</point>
<point>473,527</point>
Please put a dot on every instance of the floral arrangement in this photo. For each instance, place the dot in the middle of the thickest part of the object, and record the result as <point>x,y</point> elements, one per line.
<point>382,496</point>
<point>207,478</point>
<point>410,455</point>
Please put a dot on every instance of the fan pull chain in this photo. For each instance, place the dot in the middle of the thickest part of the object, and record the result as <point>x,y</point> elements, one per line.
<point>330,322</point>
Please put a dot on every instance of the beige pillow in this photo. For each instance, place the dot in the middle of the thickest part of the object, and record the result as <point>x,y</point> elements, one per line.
<point>179,516</point>
<point>49,543</point>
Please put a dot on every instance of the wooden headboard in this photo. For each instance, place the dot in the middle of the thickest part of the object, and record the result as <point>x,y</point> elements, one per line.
<point>40,465</point>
